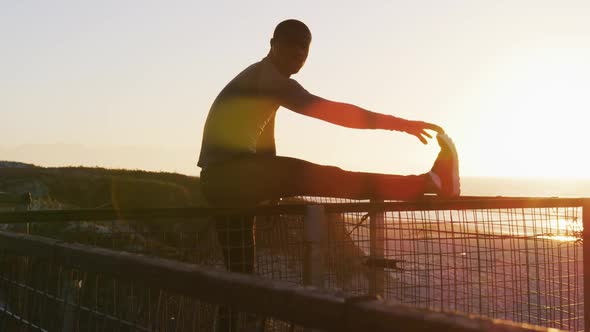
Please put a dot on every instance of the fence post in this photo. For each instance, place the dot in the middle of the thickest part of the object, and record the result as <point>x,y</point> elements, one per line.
<point>586,261</point>
<point>314,229</point>
<point>377,250</point>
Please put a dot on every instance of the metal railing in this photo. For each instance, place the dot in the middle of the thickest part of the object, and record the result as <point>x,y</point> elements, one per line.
<point>153,294</point>
<point>503,258</point>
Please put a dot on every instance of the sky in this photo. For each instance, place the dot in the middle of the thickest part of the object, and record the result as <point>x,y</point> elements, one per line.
<point>128,84</point>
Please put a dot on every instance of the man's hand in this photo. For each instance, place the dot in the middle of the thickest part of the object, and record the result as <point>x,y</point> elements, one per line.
<point>418,129</point>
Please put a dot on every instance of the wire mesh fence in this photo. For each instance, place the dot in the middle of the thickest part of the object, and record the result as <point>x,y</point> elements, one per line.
<point>517,260</point>
<point>47,288</point>
<point>48,285</point>
<point>522,263</point>
<point>38,295</point>
<point>511,264</point>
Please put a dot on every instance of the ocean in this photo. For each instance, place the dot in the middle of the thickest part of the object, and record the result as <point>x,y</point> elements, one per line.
<point>525,187</point>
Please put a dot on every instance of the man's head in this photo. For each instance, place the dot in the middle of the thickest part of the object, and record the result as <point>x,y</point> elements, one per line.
<point>289,46</point>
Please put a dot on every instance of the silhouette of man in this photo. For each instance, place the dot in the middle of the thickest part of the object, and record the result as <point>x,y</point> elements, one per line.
<point>238,155</point>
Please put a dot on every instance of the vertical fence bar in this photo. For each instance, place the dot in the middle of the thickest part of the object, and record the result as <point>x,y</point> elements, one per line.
<point>314,235</point>
<point>377,250</point>
<point>586,261</point>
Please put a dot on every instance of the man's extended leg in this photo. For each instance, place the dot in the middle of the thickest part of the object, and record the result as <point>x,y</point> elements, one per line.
<point>257,178</point>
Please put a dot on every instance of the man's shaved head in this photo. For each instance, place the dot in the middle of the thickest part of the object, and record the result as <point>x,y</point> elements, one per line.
<point>292,32</point>
<point>289,46</point>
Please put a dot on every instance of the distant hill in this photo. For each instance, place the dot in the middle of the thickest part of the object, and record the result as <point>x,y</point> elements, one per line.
<point>14,164</point>
<point>83,187</point>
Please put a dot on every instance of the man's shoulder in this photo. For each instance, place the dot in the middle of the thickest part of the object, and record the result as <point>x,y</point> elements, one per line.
<point>263,78</point>
<point>251,70</point>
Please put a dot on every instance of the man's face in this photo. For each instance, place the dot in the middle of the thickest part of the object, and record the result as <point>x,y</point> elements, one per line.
<point>291,54</point>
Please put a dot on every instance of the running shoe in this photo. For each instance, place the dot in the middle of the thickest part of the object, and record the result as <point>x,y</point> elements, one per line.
<point>445,171</point>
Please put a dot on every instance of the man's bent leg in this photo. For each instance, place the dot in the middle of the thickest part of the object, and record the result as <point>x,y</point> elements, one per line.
<point>236,238</point>
<point>235,235</point>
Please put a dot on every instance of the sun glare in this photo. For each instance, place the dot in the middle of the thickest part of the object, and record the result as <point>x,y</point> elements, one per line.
<point>537,105</point>
<point>560,238</point>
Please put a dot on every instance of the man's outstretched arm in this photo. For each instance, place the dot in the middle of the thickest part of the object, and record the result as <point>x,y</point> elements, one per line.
<point>352,116</point>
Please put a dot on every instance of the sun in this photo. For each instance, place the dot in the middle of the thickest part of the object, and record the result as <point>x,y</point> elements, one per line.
<point>537,107</point>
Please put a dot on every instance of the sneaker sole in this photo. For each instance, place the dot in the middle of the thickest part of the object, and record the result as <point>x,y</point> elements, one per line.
<point>448,142</point>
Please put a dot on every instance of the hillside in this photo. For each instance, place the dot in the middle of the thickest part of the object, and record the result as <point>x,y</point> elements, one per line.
<point>83,187</point>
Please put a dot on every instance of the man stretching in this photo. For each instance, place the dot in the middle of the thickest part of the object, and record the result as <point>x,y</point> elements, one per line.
<point>239,165</point>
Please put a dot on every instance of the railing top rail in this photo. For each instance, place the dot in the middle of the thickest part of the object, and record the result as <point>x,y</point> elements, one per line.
<point>427,204</point>
<point>463,203</point>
